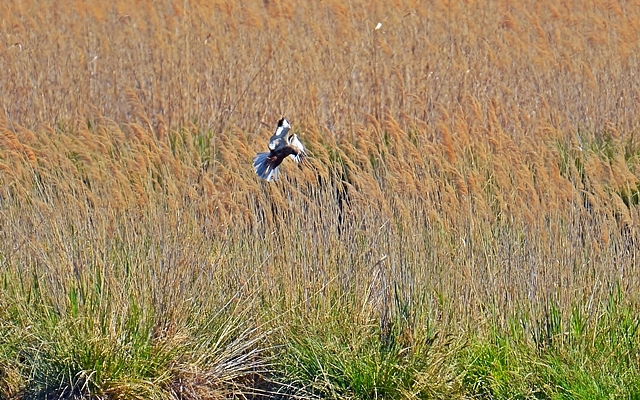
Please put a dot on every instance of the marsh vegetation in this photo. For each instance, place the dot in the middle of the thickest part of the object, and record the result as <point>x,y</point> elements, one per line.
<point>466,226</point>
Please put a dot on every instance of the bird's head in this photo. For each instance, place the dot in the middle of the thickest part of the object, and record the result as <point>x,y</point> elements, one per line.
<point>284,123</point>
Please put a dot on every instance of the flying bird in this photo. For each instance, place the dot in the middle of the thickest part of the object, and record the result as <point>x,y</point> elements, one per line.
<point>281,145</point>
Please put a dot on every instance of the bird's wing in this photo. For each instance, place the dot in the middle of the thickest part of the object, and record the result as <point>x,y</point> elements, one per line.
<point>277,140</point>
<point>298,148</point>
<point>276,143</point>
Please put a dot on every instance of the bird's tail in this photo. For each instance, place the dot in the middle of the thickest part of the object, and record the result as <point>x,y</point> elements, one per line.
<point>264,167</point>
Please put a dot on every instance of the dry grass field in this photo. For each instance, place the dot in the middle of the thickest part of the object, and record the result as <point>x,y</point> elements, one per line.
<point>466,226</point>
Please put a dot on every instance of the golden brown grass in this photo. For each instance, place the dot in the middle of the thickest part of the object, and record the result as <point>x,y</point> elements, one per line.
<point>476,160</point>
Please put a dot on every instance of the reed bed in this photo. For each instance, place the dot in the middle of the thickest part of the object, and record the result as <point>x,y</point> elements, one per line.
<point>466,224</point>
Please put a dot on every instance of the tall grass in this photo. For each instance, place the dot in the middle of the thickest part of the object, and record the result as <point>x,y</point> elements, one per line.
<point>466,224</point>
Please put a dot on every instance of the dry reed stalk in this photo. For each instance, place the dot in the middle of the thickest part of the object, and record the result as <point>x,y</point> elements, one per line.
<point>31,156</point>
<point>9,140</point>
<point>447,143</point>
<point>620,173</point>
<point>462,129</point>
<point>354,158</point>
<point>24,135</point>
<point>419,144</point>
<point>138,134</point>
<point>7,172</point>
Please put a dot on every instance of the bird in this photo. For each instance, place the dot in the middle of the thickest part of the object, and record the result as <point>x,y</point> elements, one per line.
<point>281,145</point>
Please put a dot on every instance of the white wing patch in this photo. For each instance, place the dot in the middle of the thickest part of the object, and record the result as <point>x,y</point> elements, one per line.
<point>297,145</point>
<point>275,143</point>
<point>277,140</point>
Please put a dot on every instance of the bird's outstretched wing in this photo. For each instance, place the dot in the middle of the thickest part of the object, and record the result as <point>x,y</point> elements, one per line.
<point>278,139</point>
<point>296,145</point>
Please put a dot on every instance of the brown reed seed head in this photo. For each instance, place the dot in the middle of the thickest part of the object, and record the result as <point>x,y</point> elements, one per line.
<point>454,123</point>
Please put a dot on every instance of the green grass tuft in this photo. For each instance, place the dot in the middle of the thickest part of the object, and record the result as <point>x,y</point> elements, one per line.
<point>338,357</point>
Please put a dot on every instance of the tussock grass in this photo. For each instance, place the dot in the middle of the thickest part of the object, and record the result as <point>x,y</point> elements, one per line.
<point>353,354</point>
<point>467,223</point>
<point>580,357</point>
